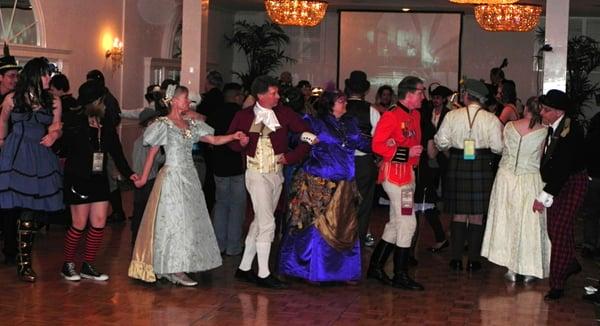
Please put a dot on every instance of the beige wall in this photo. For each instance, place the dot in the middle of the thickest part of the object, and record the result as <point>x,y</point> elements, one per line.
<point>81,25</point>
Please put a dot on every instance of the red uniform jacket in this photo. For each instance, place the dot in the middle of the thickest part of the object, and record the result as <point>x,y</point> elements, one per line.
<point>289,120</point>
<point>404,127</point>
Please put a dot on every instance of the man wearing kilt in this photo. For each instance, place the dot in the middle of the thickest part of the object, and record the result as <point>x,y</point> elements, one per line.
<point>397,139</point>
<point>563,171</point>
<point>472,136</point>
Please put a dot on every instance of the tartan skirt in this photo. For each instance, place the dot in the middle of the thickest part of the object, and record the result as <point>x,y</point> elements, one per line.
<point>469,182</point>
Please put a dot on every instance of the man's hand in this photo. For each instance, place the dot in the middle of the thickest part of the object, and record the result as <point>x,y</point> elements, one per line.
<point>281,160</point>
<point>538,207</point>
<point>415,151</point>
<point>244,141</point>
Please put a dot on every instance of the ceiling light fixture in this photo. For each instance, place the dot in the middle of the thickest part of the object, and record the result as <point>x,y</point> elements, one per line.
<point>296,12</point>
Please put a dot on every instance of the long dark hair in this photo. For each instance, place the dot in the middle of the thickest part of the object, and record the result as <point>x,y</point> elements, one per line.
<point>325,102</point>
<point>29,90</point>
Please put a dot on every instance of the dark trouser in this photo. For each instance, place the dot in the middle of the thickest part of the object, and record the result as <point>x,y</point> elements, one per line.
<point>116,203</point>
<point>140,198</point>
<point>433,218</point>
<point>366,177</point>
<point>560,220</point>
<point>591,214</point>
<point>9,221</point>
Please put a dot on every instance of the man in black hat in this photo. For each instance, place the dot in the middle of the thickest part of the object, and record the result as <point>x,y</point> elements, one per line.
<point>357,87</point>
<point>9,71</point>
<point>563,171</point>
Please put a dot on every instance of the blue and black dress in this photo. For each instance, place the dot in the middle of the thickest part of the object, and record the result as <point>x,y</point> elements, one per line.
<point>30,175</point>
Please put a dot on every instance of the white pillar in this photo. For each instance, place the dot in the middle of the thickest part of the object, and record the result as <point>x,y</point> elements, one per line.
<point>557,35</point>
<point>193,44</point>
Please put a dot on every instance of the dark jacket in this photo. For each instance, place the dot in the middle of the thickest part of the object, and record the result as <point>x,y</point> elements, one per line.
<point>289,120</point>
<point>592,148</point>
<point>80,141</point>
<point>564,156</point>
<point>225,162</point>
<point>212,101</point>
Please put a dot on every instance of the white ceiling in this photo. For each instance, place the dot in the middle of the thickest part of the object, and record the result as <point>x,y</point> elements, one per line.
<point>587,8</point>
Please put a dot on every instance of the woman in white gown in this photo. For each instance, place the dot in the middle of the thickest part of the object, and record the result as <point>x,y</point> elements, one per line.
<point>516,236</point>
<point>176,235</point>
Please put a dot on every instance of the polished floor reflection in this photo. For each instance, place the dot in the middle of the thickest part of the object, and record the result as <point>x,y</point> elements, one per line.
<point>449,299</point>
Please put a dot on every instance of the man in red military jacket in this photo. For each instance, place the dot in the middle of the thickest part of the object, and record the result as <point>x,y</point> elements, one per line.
<point>266,151</point>
<point>397,139</point>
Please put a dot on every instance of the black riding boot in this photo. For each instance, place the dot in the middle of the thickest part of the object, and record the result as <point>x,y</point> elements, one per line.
<point>25,242</point>
<point>401,278</point>
<point>378,259</point>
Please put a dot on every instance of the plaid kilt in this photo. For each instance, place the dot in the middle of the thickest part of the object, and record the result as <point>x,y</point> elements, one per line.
<point>469,183</point>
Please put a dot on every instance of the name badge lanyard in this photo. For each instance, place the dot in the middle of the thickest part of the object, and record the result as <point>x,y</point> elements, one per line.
<point>469,143</point>
<point>98,156</point>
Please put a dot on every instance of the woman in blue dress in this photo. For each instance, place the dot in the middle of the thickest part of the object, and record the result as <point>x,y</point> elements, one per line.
<point>176,235</point>
<point>321,244</point>
<point>30,177</point>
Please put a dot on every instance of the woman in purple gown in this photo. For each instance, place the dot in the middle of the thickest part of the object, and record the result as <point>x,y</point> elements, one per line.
<point>321,243</point>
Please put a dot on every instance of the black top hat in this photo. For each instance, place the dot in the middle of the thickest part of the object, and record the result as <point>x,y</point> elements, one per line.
<point>8,62</point>
<point>442,91</point>
<point>556,99</point>
<point>358,82</point>
<point>90,91</point>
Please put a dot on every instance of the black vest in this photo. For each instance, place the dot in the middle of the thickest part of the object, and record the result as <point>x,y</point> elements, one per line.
<point>361,110</point>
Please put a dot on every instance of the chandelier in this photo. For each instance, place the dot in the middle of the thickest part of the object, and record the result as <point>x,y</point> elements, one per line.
<point>508,18</point>
<point>296,12</point>
<point>485,2</point>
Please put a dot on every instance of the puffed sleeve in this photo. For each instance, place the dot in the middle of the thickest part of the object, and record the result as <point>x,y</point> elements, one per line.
<point>200,128</point>
<point>156,133</point>
<point>442,138</point>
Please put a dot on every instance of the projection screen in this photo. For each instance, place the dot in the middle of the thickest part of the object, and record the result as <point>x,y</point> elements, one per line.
<point>391,45</point>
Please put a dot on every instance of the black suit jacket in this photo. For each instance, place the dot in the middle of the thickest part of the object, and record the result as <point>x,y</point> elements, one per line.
<point>564,156</point>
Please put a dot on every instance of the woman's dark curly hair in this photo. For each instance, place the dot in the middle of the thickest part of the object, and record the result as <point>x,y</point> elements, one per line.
<point>325,102</point>
<point>29,90</point>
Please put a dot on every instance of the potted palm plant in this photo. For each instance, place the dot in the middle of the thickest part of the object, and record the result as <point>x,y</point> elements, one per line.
<point>263,46</point>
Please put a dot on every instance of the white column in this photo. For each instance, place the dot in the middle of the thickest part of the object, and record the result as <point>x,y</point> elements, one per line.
<point>557,35</point>
<point>193,44</point>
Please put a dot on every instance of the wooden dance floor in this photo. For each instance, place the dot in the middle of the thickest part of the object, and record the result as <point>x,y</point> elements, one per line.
<point>450,298</point>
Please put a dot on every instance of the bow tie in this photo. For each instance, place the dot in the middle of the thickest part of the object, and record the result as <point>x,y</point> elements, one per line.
<point>267,117</point>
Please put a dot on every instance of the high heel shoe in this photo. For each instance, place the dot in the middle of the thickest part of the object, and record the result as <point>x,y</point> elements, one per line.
<point>439,247</point>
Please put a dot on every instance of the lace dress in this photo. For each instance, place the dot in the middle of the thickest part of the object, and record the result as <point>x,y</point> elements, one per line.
<point>515,236</point>
<point>176,234</point>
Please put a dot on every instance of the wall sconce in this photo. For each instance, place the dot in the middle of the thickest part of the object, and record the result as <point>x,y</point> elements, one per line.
<point>115,53</point>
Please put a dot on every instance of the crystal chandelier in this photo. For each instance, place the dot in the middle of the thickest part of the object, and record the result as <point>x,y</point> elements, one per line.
<point>484,2</point>
<point>296,12</point>
<point>508,18</point>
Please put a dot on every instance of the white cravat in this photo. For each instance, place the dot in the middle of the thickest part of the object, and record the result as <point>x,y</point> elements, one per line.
<point>266,116</point>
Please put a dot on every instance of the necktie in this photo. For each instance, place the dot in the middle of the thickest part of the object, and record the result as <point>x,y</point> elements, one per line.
<point>549,138</point>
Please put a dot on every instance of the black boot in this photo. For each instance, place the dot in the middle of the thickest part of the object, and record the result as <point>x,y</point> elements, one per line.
<point>457,243</point>
<point>25,244</point>
<point>378,259</point>
<point>475,240</point>
<point>433,218</point>
<point>401,278</point>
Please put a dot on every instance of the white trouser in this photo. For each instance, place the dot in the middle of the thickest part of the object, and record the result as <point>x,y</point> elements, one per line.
<point>264,189</point>
<point>401,228</point>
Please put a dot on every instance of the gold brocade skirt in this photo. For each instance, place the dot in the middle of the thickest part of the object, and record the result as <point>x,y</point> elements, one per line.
<point>140,266</point>
<point>331,206</point>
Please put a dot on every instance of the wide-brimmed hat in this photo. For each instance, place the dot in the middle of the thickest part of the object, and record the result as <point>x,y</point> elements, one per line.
<point>442,91</point>
<point>358,82</point>
<point>90,91</point>
<point>556,99</point>
<point>476,88</point>
<point>146,115</point>
<point>8,62</point>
